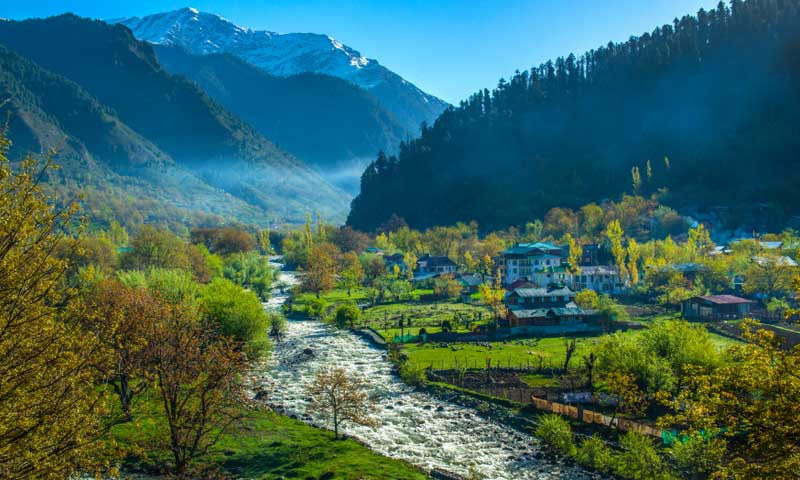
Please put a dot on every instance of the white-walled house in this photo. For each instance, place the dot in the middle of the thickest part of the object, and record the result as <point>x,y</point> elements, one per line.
<point>528,260</point>
<point>600,278</point>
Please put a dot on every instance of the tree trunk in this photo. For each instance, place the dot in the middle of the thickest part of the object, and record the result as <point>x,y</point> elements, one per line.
<point>335,425</point>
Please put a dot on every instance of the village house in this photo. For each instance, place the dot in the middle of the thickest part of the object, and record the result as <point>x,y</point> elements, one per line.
<point>716,307</point>
<point>546,311</point>
<point>524,260</point>
<point>543,264</point>
<point>600,278</point>
<point>470,282</point>
<point>440,265</point>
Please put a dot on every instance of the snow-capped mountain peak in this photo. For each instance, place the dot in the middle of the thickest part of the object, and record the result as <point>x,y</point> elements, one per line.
<point>287,54</point>
<point>279,54</point>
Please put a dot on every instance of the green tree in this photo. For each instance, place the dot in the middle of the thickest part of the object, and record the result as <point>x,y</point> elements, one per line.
<point>175,286</point>
<point>152,247</point>
<point>750,403</point>
<point>352,272</point>
<point>250,270</point>
<point>238,313</point>
<point>768,275</point>
<point>699,242</point>
<point>636,180</point>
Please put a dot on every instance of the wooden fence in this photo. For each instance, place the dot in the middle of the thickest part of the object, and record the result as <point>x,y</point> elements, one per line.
<point>589,416</point>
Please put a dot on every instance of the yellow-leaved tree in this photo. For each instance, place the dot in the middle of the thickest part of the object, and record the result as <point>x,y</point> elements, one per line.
<point>50,412</point>
<point>614,233</point>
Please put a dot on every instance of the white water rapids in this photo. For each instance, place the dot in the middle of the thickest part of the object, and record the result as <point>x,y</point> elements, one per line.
<point>413,426</point>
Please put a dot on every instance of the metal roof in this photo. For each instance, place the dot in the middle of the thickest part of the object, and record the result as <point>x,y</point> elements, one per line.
<point>543,292</point>
<point>725,299</point>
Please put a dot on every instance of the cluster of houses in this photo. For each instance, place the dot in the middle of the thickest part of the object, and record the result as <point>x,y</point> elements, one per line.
<point>541,286</point>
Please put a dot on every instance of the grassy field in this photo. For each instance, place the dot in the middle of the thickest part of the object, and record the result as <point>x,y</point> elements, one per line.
<point>385,318</point>
<point>267,446</point>
<point>513,353</point>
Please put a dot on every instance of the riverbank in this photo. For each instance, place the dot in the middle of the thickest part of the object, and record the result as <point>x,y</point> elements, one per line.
<point>264,445</point>
<point>413,425</point>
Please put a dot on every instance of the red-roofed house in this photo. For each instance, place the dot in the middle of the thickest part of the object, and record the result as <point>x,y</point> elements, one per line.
<point>716,307</point>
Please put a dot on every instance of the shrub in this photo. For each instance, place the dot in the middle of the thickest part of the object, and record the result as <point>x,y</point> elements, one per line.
<point>347,315</point>
<point>587,299</point>
<point>594,453</point>
<point>277,326</point>
<point>316,307</point>
<point>414,376</point>
<point>639,459</point>
<point>556,433</point>
<point>697,457</point>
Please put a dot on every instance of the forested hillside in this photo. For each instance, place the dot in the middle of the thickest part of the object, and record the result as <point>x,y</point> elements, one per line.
<point>706,107</point>
<point>122,174</point>
<point>172,113</point>
<point>324,120</point>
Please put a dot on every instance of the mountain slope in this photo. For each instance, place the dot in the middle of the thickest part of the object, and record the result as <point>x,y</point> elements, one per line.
<point>173,113</point>
<point>324,120</point>
<point>717,94</point>
<point>289,54</point>
<point>100,155</point>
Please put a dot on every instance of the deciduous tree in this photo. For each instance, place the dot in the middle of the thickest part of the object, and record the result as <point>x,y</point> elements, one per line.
<point>751,403</point>
<point>340,397</point>
<point>50,411</point>
<point>321,273</point>
<point>199,383</point>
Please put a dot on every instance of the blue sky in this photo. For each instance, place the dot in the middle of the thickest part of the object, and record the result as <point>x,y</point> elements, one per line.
<point>449,48</point>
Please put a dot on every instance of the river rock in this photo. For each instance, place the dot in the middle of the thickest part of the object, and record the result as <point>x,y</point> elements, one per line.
<point>308,351</point>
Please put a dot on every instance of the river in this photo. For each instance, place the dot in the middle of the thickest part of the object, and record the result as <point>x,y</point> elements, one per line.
<point>413,425</point>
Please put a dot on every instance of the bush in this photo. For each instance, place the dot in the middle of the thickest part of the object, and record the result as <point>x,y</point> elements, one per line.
<point>347,315</point>
<point>556,433</point>
<point>277,326</point>
<point>594,453</point>
<point>697,457</point>
<point>238,313</point>
<point>316,307</point>
<point>414,376</point>
<point>587,299</point>
<point>639,459</point>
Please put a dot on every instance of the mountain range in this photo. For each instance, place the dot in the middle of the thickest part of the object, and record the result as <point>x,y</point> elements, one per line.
<point>336,126</point>
<point>129,132</point>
